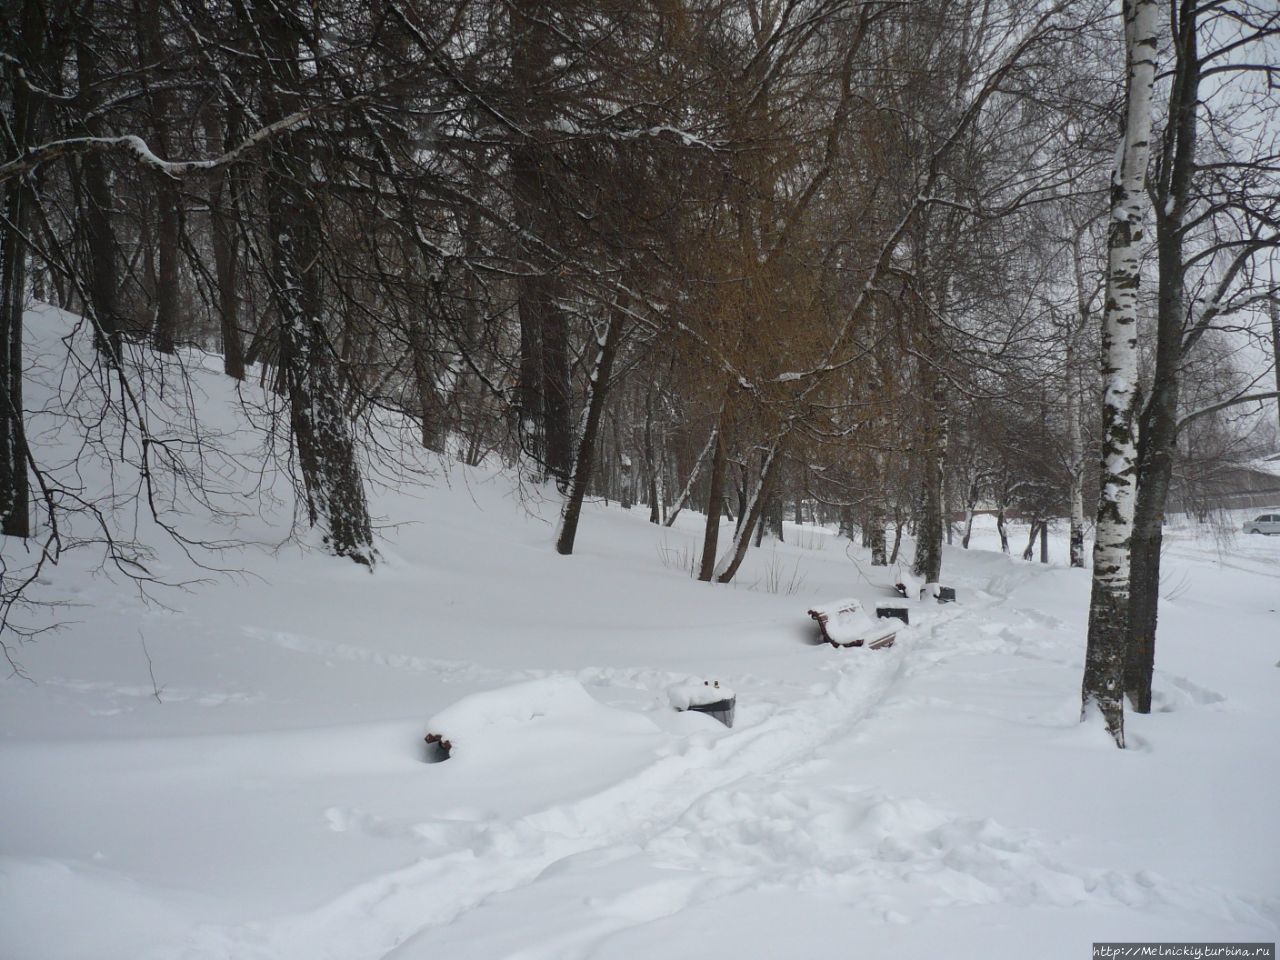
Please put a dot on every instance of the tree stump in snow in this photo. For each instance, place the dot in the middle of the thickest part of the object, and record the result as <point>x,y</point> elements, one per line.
<point>438,748</point>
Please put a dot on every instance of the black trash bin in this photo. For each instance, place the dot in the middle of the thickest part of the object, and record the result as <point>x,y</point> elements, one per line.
<point>896,613</point>
<point>722,710</point>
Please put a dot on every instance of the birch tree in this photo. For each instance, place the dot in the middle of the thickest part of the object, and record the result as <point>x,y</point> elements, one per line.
<point>1214,222</point>
<point>1103,685</point>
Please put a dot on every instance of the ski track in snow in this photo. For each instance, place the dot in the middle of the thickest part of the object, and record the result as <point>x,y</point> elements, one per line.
<point>376,916</point>
<point>723,814</point>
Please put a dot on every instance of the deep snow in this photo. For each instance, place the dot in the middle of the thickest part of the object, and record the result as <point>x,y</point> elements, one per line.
<point>938,798</point>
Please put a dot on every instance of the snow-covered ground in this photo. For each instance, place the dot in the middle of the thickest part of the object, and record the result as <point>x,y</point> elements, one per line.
<point>938,798</point>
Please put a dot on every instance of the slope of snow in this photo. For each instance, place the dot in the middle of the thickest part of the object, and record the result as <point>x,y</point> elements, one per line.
<point>266,796</point>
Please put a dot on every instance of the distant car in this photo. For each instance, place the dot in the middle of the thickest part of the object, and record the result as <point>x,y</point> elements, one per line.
<point>1267,524</point>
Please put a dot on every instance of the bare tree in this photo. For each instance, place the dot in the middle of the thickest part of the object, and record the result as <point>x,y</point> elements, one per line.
<point>1103,683</point>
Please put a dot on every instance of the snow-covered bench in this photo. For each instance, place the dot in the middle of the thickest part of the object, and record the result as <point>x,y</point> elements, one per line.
<point>914,588</point>
<point>845,624</point>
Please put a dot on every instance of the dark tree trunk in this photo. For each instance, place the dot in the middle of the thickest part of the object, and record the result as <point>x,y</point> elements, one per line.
<point>625,480</point>
<point>226,267</point>
<point>929,521</point>
<point>430,406</point>
<point>1036,527</point>
<point>529,406</point>
<point>754,513</point>
<point>556,398</point>
<point>1275,344</point>
<point>970,505</point>
<point>876,535</point>
<point>846,522</point>
<point>333,488</point>
<point>15,490</point>
<point>100,238</point>
<point>224,209</point>
<point>897,540</point>
<point>544,397</point>
<point>168,291</point>
<point>651,462</point>
<point>168,225</point>
<point>587,445</point>
<point>741,490</point>
<point>1158,438</point>
<point>715,496</point>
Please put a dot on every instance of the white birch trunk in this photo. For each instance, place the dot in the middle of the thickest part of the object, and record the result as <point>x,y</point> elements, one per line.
<point>1103,685</point>
<point>732,559</point>
<point>687,492</point>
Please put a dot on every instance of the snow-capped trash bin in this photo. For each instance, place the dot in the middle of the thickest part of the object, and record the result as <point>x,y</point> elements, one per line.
<point>706,696</point>
<point>885,611</point>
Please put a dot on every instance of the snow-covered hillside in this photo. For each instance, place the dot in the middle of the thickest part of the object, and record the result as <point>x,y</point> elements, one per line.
<point>267,796</point>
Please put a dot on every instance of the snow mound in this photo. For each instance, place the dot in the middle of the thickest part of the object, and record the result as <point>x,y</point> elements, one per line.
<point>554,709</point>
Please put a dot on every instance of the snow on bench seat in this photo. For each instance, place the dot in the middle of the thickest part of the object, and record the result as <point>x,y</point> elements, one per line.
<point>911,587</point>
<point>845,624</point>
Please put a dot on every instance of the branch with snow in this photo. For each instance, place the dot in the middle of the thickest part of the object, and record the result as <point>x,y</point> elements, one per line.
<point>138,147</point>
<point>1224,404</point>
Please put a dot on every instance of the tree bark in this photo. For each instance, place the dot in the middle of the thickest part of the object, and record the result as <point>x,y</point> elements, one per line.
<point>929,527</point>
<point>971,505</point>
<point>544,401</point>
<point>651,463</point>
<point>1076,465</point>
<point>223,210</point>
<point>1103,681</point>
<point>1158,439</point>
<point>332,485</point>
<point>168,224</point>
<point>1029,552</point>
<point>715,496</point>
<point>15,490</point>
<point>430,406</point>
<point>1275,343</point>
<point>732,560</point>
<point>104,273</point>
<point>687,492</point>
<point>878,558</point>
<point>226,268</point>
<point>585,461</point>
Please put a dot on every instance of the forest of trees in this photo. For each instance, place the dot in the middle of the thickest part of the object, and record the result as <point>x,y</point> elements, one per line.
<point>875,263</point>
